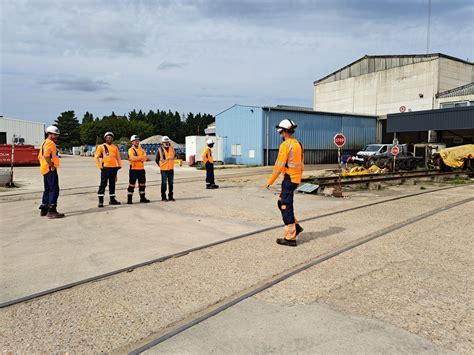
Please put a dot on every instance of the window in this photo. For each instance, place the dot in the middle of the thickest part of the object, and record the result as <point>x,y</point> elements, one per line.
<point>460,104</point>
<point>252,153</point>
<point>3,137</point>
<point>236,149</point>
<point>447,105</point>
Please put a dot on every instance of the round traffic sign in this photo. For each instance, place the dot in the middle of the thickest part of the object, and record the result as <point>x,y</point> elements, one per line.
<point>395,150</point>
<point>403,108</point>
<point>339,140</point>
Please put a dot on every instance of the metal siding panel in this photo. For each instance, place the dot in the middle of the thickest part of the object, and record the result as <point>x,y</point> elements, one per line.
<point>316,131</point>
<point>241,125</point>
<point>441,119</point>
<point>32,132</point>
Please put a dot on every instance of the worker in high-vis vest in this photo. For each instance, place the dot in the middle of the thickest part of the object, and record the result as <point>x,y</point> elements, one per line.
<point>107,158</point>
<point>165,157</point>
<point>290,164</point>
<point>49,164</point>
<point>137,157</point>
<point>208,162</point>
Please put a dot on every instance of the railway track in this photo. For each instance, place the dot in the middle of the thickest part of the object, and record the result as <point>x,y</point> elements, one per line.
<point>182,253</point>
<point>254,290</point>
<point>368,178</point>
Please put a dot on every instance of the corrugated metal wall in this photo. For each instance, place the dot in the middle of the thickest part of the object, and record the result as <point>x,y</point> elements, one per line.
<point>32,132</point>
<point>247,127</point>
<point>440,120</point>
<point>316,131</point>
<point>241,125</point>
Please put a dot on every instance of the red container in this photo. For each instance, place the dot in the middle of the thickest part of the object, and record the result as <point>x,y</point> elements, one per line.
<point>24,155</point>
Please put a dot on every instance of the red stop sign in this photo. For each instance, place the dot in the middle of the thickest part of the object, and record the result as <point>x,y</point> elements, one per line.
<point>339,140</point>
<point>395,150</point>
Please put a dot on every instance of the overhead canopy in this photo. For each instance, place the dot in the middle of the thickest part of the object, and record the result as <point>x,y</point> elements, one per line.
<point>446,119</point>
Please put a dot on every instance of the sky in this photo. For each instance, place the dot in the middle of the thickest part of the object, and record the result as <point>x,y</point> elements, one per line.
<point>204,55</point>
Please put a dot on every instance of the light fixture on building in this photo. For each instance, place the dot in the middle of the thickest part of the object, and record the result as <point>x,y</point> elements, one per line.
<point>420,95</point>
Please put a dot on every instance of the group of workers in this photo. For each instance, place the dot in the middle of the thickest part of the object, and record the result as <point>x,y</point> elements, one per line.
<point>289,163</point>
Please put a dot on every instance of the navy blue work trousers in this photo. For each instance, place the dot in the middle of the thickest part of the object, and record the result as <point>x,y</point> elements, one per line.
<point>285,202</point>
<point>51,189</point>
<point>210,174</point>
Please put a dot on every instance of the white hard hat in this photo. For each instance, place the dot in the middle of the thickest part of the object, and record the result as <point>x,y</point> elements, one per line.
<point>209,141</point>
<point>109,134</point>
<point>286,124</point>
<point>165,139</point>
<point>52,129</point>
<point>134,138</point>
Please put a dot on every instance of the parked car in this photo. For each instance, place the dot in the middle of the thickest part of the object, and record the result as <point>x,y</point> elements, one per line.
<point>381,155</point>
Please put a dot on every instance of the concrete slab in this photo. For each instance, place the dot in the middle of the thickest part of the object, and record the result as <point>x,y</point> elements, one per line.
<point>258,327</point>
<point>117,313</point>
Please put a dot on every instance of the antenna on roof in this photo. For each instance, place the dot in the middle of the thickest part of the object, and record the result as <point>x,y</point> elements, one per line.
<point>428,29</point>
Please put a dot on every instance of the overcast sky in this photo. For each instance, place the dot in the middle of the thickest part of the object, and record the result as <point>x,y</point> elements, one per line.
<point>202,56</point>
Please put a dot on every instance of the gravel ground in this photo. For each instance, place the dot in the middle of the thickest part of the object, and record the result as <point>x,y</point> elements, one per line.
<point>121,310</point>
<point>419,278</point>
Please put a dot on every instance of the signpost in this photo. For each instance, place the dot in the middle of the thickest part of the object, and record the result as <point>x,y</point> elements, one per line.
<point>339,141</point>
<point>395,150</point>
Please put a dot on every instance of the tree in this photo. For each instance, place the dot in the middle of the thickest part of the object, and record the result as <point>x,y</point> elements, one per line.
<point>88,117</point>
<point>70,129</point>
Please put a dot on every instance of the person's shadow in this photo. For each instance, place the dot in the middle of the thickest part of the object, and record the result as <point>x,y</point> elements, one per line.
<point>306,237</point>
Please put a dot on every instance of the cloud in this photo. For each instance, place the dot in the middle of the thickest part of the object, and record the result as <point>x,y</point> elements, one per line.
<point>111,99</point>
<point>80,84</point>
<point>170,65</point>
<point>203,55</point>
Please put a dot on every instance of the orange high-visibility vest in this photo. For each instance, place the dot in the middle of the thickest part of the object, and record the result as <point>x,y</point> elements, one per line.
<point>166,158</point>
<point>137,158</point>
<point>207,156</point>
<point>290,161</point>
<point>108,156</point>
<point>48,149</point>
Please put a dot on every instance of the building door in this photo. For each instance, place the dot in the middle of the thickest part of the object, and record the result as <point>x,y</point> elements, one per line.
<point>3,137</point>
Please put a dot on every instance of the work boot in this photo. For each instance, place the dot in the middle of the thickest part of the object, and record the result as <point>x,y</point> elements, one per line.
<point>143,199</point>
<point>299,229</point>
<point>170,198</point>
<point>52,213</point>
<point>101,201</point>
<point>129,199</point>
<point>283,241</point>
<point>113,201</point>
<point>43,211</point>
<point>208,186</point>
<point>214,186</point>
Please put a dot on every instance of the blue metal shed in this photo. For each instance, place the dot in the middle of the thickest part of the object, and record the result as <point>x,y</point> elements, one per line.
<point>250,137</point>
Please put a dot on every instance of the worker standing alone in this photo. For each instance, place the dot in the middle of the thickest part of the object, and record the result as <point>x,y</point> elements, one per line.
<point>107,158</point>
<point>208,162</point>
<point>49,163</point>
<point>137,157</point>
<point>165,159</point>
<point>290,163</point>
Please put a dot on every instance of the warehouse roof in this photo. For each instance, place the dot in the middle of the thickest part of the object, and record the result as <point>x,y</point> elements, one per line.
<point>463,90</point>
<point>372,63</point>
<point>439,120</point>
<point>311,111</point>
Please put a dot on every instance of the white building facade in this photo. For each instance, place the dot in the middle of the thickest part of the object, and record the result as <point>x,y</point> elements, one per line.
<point>25,132</point>
<point>378,85</point>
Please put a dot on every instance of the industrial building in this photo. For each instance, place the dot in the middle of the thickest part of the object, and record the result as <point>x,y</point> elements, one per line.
<point>451,126</point>
<point>25,132</point>
<point>383,84</point>
<point>249,136</point>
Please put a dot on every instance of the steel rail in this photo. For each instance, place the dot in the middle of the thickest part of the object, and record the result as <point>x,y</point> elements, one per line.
<point>205,246</point>
<point>233,300</point>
